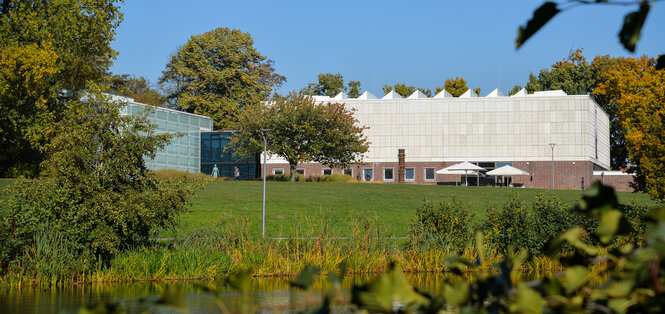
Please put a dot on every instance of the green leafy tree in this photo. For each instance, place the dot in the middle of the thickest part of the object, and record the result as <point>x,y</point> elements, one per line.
<point>354,89</point>
<point>328,85</point>
<point>217,73</point>
<point>515,89</point>
<point>99,196</point>
<point>138,88</point>
<point>637,88</point>
<point>301,131</point>
<point>628,36</point>
<point>573,75</point>
<point>404,90</point>
<point>477,91</point>
<point>47,47</point>
<point>455,87</point>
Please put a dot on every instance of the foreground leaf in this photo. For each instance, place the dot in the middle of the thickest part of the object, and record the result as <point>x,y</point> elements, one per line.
<point>306,277</point>
<point>632,27</point>
<point>541,16</point>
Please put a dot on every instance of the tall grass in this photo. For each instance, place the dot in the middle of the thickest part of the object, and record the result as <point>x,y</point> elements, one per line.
<point>228,247</point>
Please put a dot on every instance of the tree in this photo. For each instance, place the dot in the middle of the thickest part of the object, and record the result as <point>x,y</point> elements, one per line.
<point>515,89</point>
<point>138,88</point>
<point>328,85</point>
<point>455,87</point>
<point>573,75</point>
<point>301,131</point>
<point>637,88</point>
<point>628,36</point>
<point>354,89</point>
<point>404,90</point>
<point>100,197</point>
<point>217,74</point>
<point>47,47</point>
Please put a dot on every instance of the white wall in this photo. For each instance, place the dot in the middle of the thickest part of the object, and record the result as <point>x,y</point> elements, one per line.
<point>483,128</point>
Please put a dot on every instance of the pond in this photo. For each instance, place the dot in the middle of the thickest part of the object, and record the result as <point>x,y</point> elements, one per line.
<point>267,294</point>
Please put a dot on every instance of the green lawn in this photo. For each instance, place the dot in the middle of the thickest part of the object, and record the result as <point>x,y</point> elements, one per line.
<point>304,208</point>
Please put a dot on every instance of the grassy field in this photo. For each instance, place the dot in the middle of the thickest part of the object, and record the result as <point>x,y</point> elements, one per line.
<point>309,208</point>
<point>306,208</point>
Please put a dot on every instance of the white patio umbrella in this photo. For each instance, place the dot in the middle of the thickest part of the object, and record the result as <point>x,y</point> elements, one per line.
<point>507,171</point>
<point>466,167</point>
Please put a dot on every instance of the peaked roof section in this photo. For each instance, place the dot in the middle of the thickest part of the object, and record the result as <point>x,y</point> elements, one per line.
<point>367,95</point>
<point>468,94</point>
<point>392,95</point>
<point>443,94</point>
<point>417,95</point>
<point>521,93</point>
<point>341,96</point>
<point>495,93</point>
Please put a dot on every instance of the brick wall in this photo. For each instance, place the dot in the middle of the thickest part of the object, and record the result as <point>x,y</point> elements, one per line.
<point>567,174</point>
<point>618,182</point>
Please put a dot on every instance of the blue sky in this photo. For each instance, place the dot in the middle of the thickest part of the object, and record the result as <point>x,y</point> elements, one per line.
<point>420,43</point>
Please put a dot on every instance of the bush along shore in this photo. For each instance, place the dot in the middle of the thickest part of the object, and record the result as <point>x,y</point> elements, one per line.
<point>437,232</point>
<point>600,270</point>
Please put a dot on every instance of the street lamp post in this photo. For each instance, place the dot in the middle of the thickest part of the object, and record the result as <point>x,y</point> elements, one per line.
<point>552,145</point>
<point>264,134</point>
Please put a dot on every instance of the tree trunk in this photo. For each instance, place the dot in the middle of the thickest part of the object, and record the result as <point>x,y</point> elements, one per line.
<point>294,174</point>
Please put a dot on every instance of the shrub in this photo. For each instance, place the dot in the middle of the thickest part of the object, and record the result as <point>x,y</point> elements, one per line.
<point>284,177</point>
<point>337,178</point>
<point>447,225</point>
<point>101,198</point>
<point>513,226</point>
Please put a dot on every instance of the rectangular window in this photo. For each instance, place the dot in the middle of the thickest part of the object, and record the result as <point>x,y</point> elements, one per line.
<point>368,174</point>
<point>348,172</point>
<point>278,171</point>
<point>430,174</point>
<point>409,174</point>
<point>300,171</point>
<point>388,174</point>
<point>327,172</point>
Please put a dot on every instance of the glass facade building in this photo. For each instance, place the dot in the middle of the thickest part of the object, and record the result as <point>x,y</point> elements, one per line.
<point>183,153</point>
<point>212,153</point>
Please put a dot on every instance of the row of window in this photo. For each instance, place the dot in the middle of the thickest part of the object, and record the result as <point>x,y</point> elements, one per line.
<point>368,173</point>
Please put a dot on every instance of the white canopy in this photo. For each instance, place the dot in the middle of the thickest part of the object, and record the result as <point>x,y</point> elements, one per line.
<point>507,171</point>
<point>445,171</point>
<point>465,166</point>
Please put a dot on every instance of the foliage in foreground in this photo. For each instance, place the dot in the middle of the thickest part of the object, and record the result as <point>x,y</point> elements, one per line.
<point>100,198</point>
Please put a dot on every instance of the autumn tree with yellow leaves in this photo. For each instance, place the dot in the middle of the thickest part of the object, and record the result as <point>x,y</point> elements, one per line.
<point>638,89</point>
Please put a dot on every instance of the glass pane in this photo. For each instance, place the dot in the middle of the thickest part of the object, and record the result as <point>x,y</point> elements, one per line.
<point>429,174</point>
<point>388,174</point>
<point>408,174</point>
<point>327,172</point>
<point>215,151</point>
<point>368,174</point>
<point>348,172</point>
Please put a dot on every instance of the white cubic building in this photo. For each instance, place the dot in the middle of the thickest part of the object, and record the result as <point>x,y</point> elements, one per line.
<point>490,131</point>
